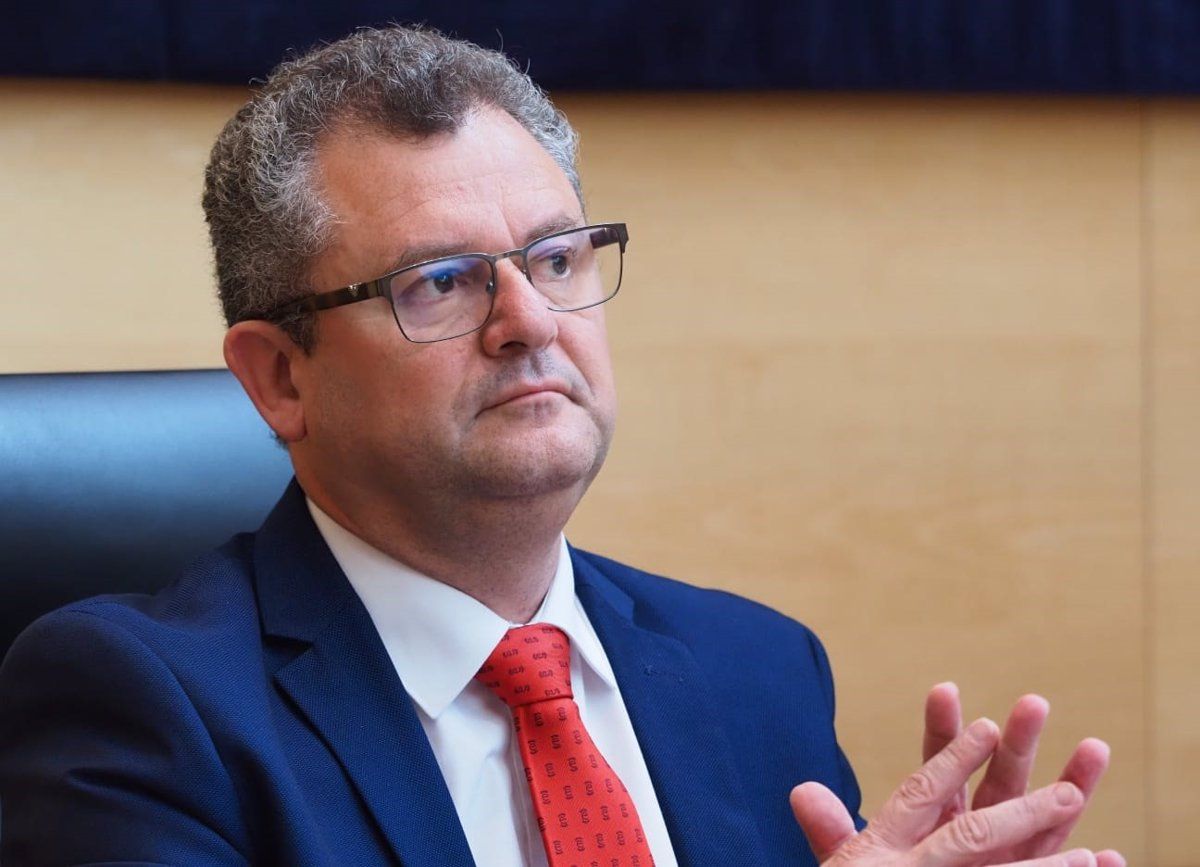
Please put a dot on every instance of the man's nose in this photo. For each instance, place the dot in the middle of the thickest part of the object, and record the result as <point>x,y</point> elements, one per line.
<point>521,319</point>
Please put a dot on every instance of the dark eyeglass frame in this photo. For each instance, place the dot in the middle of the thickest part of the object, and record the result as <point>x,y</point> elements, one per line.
<point>380,287</point>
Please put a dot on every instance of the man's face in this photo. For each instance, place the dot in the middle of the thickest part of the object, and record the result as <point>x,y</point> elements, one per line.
<point>523,407</point>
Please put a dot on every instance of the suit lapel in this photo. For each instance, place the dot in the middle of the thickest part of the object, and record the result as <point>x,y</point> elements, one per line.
<point>670,704</point>
<point>346,686</point>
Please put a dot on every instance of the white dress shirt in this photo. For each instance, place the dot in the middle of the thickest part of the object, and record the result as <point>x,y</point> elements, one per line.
<point>437,638</point>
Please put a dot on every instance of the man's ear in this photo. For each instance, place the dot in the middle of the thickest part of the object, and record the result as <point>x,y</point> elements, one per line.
<point>261,356</point>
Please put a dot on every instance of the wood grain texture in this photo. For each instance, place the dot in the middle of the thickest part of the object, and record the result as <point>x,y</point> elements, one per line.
<point>1173,178</point>
<point>880,361</point>
<point>105,253</point>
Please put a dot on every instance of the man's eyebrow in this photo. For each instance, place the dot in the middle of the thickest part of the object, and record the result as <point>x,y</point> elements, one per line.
<point>558,224</point>
<point>415,255</point>
<point>424,253</point>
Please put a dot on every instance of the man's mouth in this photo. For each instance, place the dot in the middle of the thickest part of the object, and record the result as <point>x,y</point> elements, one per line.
<point>528,391</point>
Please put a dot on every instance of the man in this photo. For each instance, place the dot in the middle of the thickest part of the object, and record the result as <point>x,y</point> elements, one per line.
<point>407,663</point>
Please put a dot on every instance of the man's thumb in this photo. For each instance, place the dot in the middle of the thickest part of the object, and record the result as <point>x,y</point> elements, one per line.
<point>823,818</point>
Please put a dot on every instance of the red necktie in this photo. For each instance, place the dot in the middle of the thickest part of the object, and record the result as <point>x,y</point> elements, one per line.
<point>584,813</point>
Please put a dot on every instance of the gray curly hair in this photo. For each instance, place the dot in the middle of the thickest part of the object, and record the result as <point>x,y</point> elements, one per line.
<point>267,221</point>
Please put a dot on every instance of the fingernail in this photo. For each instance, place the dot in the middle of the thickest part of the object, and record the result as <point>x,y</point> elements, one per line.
<point>1080,858</point>
<point>1067,795</point>
<point>981,730</point>
<point>1098,744</point>
<point>1040,699</point>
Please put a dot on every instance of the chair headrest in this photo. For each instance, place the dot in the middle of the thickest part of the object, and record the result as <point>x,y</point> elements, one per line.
<point>112,482</point>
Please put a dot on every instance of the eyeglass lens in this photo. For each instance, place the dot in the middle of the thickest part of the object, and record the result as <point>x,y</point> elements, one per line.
<point>452,297</point>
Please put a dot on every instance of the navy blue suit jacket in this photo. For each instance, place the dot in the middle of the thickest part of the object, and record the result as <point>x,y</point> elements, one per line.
<point>249,713</point>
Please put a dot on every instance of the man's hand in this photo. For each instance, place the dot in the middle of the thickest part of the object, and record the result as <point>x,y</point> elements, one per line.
<point>919,824</point>
<point>1009,770</point>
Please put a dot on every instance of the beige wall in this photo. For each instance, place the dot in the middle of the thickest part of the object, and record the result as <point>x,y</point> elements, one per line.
<point>1171,401</point>
<point>921,372</point>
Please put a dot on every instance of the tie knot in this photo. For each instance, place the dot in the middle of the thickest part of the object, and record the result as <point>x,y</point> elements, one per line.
<point>531,663</point>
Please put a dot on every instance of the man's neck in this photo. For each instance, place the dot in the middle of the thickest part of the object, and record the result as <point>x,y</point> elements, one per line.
<point>503,554</point>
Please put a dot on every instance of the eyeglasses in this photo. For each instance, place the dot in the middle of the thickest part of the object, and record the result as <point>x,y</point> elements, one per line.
<point>454,296</point>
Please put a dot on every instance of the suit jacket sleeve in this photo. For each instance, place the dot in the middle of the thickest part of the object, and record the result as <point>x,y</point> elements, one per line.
<point>103,756</point>
<point>849,792</point>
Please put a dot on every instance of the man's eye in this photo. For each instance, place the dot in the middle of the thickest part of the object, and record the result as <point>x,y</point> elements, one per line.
<point>553,265</point>
<point>433,287</point>
<point>444,282</point>
<point>439,283</point>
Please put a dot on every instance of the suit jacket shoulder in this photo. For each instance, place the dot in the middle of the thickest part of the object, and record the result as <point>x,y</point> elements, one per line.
<point>723,628</point>
<point>105,749</point>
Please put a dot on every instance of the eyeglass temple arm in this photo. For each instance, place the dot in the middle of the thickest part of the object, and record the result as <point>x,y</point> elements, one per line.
<point>339,297</point>
<point>614,233</point>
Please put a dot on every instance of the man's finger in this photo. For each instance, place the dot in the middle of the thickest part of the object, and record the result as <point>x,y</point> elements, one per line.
<point>823,818</point>
<point>1084,770</point>
<point>1074,858</point>
<point>943,719</point>
<point>943,723</point>
<point>1008,772</point>
<point>1005,825</point>
<point>913,809</point>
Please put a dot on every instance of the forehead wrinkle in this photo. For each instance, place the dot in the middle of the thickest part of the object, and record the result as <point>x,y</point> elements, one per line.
<point>458,236</point>
<point>428,252</point>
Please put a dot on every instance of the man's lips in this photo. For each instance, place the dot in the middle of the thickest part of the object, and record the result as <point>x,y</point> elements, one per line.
<point>528,389</point>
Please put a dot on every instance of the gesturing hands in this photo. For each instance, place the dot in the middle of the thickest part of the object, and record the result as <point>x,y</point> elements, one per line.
<point>926,821</point>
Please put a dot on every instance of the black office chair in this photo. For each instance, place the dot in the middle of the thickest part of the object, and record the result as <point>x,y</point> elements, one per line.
<point>111,482</point>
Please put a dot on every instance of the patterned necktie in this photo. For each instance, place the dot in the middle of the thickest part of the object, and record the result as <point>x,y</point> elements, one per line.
<point>584,813</point>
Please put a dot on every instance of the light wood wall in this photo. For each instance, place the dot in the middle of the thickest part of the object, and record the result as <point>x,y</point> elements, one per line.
<point>921,372</point>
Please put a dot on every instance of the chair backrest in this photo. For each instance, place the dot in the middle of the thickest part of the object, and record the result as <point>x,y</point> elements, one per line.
<point>111,482</point>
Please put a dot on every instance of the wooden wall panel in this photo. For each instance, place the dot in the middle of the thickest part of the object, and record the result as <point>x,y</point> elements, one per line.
<point>105,260</point>
<point>880,361</point>
<point>1173,176</point>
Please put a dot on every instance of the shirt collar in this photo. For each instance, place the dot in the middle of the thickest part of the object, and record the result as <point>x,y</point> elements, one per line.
<point>437,636</point>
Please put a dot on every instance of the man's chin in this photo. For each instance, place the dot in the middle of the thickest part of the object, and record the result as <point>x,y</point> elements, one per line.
<point>523,483</point>
<point>538,462</point>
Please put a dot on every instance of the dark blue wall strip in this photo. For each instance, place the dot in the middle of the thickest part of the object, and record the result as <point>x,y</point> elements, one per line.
<point>1070,46</point>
